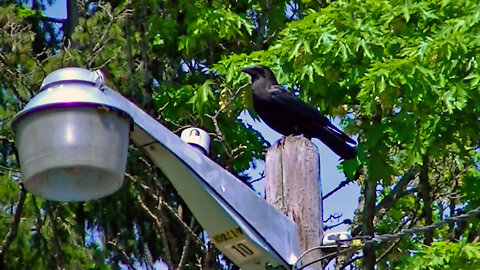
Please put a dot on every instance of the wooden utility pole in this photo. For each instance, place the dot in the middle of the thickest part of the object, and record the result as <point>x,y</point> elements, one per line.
<point>292,185</point>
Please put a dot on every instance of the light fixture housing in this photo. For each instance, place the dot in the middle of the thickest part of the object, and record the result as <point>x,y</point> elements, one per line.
<point>72,143</point>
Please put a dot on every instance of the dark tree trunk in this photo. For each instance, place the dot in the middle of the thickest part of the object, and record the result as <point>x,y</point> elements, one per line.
<point>427,199</point>
<point>368,228</point>
<point>73,15</point>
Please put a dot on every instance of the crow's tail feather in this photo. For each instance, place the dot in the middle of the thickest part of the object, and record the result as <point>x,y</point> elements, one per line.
<point>333,129</point>
<point>336,142</point>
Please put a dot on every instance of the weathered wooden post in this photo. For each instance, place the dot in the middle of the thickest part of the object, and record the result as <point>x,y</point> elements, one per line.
<point>292,185</point>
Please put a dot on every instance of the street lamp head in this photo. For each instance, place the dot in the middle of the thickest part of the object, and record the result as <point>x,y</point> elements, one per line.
<point>72,141</point>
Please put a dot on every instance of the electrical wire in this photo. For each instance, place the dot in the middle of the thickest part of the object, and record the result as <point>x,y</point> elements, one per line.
<point>389,237</point>
<point>328,256</point>
<point>385,237</point>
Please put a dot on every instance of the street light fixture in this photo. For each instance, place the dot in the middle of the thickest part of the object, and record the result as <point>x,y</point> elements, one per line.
<point>72,140</point>
<point>72,143</point>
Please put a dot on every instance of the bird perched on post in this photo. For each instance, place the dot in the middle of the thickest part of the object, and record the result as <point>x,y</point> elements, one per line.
<point>288,115</point>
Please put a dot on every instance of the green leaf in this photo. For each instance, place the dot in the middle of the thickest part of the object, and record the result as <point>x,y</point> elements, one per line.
<point>24,11</point>
<point>157,40</point>
<point>470,251</point>
<point>382,85</point>
<point>343,50</point>
<point>201,96</point>
<point>350,168</point>
<point>308,70</point>
<point>296,49</point>
<point>406,13</point>
<point>366,51</point>
<point>422,50</point>
<point>474,77</point>
<point>318,69</point>
<point>306,47</point>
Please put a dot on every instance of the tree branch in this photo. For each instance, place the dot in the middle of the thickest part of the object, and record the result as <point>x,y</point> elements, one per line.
<point>426,189</point>
<point>130,66</point>
<point>233,97</point>
<point>262,24</point>
<point>186,247</point>
<point>387,251</point>
<point>56,241</point>
<point>218,132</point>
<point>394,195</point>
<point>349,262</point>
<point>262,176</point>
<point>71,22</point>
<point>99,46</point>
<point>47,19</point>
<point>368,226</point>
<point>413,220</point>
<point>12,233</point>
<point>340,186</point>
<point>209,258</point>
<point>163,233</point>
<point>8,169</point>
<point>125,259</point>
<point>143,43</point>
<point>39,223</point>
<point>150,192</point>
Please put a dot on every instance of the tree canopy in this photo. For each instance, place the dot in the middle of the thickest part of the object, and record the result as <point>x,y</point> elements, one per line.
<point>401,75</point>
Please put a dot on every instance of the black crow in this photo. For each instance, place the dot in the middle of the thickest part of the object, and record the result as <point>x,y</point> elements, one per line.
<point>288,115</point>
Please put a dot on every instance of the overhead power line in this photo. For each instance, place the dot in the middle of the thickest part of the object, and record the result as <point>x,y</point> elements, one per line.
<point>382,238</point>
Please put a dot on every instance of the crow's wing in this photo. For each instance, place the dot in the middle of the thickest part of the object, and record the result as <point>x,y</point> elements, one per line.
<point>289,102</point>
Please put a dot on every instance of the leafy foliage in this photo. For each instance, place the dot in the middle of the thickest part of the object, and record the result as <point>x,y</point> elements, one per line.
<point>402,75</point>
<point>442,255</point>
